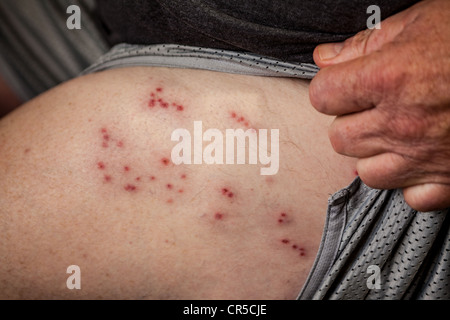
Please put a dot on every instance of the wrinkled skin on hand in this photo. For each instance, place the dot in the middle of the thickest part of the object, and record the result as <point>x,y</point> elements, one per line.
<point>390,91</point>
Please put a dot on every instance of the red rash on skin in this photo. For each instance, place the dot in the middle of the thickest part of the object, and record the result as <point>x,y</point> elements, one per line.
<point>226,192</point>
<point>282,218</point>
<point>138,180</point>
<point>130,187</point>
<point>240,119</point>
<point>106,139</point>
<point>218,216</point>
<point>301,251</point>
<point>165,161</point>
<point>156,99</point>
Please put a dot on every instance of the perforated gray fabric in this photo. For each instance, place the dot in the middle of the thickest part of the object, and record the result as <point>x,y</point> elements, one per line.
<point>370,230</point>
<point>177,56</point>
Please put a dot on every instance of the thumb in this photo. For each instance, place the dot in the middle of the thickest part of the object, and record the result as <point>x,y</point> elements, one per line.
<point>428,197</point>
<point>361,44</point>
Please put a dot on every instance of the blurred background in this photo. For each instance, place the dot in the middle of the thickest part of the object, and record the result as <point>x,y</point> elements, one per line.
<point>37,49</point>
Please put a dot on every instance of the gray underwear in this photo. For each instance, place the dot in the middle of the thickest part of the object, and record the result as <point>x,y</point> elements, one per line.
<point>374,246</point>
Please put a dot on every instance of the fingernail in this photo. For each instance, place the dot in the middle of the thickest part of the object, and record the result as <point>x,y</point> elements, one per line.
<point>330,51</point>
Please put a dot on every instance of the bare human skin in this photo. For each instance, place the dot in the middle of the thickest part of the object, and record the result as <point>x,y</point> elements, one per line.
<point>86,179</point>
<point>389,89</point>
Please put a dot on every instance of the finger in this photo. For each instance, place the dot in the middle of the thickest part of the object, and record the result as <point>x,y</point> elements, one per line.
<point>428,197</point>
<point>359,135</point>
<point>363,43</point>
<point>351,86</point>
<point>390,171</point>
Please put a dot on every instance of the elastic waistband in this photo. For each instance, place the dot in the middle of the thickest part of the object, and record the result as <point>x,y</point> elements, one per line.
<point>187,57</point>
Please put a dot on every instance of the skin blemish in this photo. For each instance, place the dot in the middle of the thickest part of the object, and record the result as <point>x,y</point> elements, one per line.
<point>156,99</point>
<point>180,191</point>
<point>107,139</point>
<point>165,161</point>
<point>227,193</point>
<point>126,169</point>
<point>218,216</point>
<point>295,247</point>
<point>152,178</point>
<point>164,104</point>
<point>101,165</point>
<point>107,178</point>
<point>138,179</point>
<point>169,186</point>
<point>239,119</point>
<point>283,218</point>
<point>130,188</point>
<point>26,151</point>
<point>169,201</point>
<point>183,177</point>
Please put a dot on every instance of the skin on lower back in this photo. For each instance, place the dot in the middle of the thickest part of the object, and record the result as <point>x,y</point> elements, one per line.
<point>87,178</point>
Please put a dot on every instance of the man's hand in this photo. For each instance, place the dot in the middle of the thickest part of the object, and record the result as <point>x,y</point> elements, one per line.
<point>390,91</point>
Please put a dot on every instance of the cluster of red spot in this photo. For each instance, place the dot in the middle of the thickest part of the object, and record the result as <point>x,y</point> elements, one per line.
<point>134,183</point>
<point>282,218</point>
<point>300,250</point>
<point>227,193</point>
<point>240,119</point>
<point>157,100</point>
<point>107,140</point>
<point>171,187</point>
